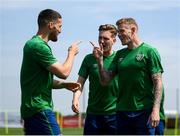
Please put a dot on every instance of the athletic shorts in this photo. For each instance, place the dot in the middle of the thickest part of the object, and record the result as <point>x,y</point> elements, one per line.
<point>134,123</point>
<point>159,130</point>
<point>42,123</point>
<point>100,125</point>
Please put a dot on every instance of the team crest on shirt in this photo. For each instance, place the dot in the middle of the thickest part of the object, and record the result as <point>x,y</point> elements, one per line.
<point>139,57</point>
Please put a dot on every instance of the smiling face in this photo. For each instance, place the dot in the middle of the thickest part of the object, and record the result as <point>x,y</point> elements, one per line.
<point>125,34</point>
<point>127,30</point>
<point>106,41</point>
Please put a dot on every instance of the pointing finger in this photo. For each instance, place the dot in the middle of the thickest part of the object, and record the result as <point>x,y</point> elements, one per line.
<point>92,43</point>
<point>79,42</point>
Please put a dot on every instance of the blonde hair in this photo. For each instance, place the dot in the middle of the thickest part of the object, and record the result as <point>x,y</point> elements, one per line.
<point>128,21</point>
<point>108,27</point>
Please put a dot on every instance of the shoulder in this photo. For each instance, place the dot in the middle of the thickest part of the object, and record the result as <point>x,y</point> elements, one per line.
<point>89,60</point>
<point>35,44</point>
<point>121,51</point>
<point>150,50</point>
<point>89,56</point>
<point>148,47</point>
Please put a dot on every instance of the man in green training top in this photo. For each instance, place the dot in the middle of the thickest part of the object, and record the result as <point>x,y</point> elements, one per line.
<point>101,110</point>
<point>38,67</point>
<point>139,71</point>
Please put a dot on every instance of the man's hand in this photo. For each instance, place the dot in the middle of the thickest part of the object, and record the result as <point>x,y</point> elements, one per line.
<point>74,48</point>
<point>97,52</point>
<point>75,101</point>
<point>72,86</point>
<point>154,117</point>
<point>75,106</point>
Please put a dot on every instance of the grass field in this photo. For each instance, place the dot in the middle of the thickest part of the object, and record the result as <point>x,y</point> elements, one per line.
<point>66,131</point>
<point>19,131</point>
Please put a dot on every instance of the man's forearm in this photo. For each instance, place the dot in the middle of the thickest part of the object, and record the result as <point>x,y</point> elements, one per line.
<point>57,84</point>
<point>157,82</point>
<point>77,95</point>
<point>105,76</point>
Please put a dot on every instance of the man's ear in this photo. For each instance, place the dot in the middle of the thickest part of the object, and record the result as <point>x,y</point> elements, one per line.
<point>133,29</point>
<point>114,39</point>
<point>51,25</point>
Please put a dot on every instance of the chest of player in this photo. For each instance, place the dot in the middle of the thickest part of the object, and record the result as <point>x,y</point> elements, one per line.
<point>133,61</point>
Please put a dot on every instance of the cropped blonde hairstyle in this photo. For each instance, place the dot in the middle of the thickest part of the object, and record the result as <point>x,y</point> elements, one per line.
<point>109,27</point>
<point>128,21</point>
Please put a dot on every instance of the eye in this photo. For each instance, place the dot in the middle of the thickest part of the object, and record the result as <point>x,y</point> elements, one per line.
<point>121,31</point>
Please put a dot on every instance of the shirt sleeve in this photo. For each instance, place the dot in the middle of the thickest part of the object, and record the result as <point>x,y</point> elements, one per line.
<point>155,65</point>
<point>84,69</point>
<point>43,55</point>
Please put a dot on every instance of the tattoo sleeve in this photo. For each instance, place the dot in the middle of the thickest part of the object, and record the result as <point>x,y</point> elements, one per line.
<point>157,83</point>
<point>105,76</point>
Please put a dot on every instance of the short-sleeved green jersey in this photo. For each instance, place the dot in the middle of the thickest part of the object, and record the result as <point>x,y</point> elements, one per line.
<point>102,99</point>
<point>135,67</point>
<point>36,80</point>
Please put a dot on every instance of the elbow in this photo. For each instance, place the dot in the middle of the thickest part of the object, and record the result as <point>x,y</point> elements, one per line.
<point>59,70</point>
<point>66,74</point>
<point>63,76</point>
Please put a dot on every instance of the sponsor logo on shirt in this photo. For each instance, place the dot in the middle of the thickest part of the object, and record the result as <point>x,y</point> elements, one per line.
<point>120,59</point>
<point>95,65</point>
<point>139,57</point>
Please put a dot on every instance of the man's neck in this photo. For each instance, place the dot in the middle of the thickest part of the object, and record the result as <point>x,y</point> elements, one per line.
<point>106,54</point>
<point>134,44</point>
<point>43,35</point>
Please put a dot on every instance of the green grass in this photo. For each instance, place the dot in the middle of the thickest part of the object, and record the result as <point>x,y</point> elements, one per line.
<point>66,131</point>
<point>19,131</point>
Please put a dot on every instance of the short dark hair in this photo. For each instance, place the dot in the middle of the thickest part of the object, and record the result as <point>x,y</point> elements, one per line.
<point>129,21</point>
<point>108,27</point>
<point>46,16</point>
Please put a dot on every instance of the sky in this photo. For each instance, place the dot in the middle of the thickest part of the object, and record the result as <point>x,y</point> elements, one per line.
<point>159,26</point>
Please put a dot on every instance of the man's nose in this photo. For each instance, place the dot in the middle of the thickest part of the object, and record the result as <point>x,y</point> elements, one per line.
<point>101,41</point>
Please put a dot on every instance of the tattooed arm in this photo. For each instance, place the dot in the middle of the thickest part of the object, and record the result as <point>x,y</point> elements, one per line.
<point>157,82</point>
<point>158,86</point>
<point>105,75</point>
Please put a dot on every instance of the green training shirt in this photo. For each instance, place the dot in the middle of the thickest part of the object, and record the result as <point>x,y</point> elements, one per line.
<point>36,80</point>
<point>102,100</point>
<point>135,67</point>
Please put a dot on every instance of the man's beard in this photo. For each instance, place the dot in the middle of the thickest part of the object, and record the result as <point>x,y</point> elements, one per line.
<point>124,40</point>
<point>53,37</point>
<point>107,48</point>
